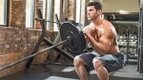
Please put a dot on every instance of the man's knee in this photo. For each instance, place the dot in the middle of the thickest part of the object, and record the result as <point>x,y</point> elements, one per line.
<point>96,63</point>
<point>77,61</point>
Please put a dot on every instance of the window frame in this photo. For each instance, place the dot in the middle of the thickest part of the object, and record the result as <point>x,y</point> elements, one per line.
<point>6,13</point>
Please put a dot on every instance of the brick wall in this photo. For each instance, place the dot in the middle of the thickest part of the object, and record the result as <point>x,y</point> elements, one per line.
<point>17,13</point>
<point>16,43</point>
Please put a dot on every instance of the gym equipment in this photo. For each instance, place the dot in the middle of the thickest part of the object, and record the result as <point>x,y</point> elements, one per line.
<point>72,38</point>
<point>76,44</point>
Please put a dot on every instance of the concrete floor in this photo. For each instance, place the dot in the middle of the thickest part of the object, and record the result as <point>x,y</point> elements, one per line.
<point>62,72</point>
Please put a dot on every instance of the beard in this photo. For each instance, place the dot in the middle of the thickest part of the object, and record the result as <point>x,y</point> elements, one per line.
<point>94,17</point>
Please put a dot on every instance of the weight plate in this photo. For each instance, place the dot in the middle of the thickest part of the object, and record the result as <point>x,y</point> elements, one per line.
<point>73,32</point>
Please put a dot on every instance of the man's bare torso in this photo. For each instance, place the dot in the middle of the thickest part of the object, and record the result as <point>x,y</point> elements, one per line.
<point>107,30</point>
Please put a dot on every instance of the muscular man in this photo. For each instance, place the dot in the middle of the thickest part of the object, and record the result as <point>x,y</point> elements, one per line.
<point>102,36</point>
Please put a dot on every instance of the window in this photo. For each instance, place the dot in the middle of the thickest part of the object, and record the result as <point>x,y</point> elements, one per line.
<point>78,10</point>
<point>30,13</point>
<point>3,13</point>
<point>81,12</point>
<point>46,7</point>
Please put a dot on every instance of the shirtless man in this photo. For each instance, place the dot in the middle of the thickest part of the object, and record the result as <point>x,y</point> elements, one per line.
<point>102,36</point>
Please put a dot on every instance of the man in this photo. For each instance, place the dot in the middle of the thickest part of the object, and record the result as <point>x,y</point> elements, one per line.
<point>102,36</point>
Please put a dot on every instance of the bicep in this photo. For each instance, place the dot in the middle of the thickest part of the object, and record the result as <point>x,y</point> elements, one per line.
<point>106,42</point>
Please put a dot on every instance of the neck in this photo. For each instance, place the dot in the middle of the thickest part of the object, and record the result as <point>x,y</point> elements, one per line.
<point>98,21</point>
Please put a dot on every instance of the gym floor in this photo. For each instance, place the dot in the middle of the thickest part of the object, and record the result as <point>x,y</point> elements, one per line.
<point>66,72</point>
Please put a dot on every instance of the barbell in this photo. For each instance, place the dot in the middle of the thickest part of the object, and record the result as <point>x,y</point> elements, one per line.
<point>72,37</point>
<point>76,43</point>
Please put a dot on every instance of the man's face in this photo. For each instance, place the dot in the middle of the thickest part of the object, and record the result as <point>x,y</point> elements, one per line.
<point>92,13</point>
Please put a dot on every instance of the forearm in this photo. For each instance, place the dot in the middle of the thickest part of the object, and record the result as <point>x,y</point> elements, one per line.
<point>96,45</point>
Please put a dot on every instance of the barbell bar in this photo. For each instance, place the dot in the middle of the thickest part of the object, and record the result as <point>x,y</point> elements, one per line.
<point>45,20</point>
<point>69,34</point>
<point>30,56</point>
<point>65,53</point>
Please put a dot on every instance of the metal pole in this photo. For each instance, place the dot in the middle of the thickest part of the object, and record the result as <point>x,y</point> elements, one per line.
<point>45,20</point>
<point>31,56</point>
<point>141,52</point>
<point>140,36</point>
<point>41,37</point>
<point>47,41</point>
<point>57,39</point>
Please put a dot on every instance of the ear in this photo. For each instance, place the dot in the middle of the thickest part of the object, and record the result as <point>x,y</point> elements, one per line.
<point>99,11</point>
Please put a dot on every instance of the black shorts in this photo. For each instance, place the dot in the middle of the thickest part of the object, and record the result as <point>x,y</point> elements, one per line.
<point>111,62</point>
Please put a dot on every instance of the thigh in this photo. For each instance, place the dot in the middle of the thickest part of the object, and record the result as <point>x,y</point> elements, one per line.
<point>88,57</point>
<point>111,62</point>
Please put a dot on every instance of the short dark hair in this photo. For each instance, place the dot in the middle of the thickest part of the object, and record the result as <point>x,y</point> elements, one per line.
<point>97,5</point>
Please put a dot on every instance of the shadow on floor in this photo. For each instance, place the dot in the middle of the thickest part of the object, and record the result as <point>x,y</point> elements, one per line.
<point>60,72</point>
